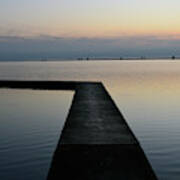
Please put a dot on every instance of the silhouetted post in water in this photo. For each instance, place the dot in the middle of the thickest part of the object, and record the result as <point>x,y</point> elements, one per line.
<point>87,58</point>
<point>173,57</point>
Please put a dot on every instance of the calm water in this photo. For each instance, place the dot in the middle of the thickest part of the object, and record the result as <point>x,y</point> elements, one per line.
<point>147,93</point>
<point>30,126</point>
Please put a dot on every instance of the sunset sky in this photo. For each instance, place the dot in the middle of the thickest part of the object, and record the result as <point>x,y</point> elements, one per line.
<point>85,18</point>
<point>91,19</point>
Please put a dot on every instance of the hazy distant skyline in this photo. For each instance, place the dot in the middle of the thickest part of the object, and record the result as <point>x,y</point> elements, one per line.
<point>84,22</point>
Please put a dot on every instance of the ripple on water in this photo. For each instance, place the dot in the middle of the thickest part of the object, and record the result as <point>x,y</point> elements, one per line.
<point>29,139</point>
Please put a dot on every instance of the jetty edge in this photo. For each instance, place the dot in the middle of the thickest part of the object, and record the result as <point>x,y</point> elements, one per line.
<point>96,142</point>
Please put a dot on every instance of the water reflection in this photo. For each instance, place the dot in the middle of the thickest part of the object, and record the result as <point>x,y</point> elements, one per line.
<point>147,92</point>
<point>31,122</point>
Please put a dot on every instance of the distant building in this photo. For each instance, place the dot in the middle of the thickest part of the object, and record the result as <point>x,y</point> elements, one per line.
<point>79,58</point>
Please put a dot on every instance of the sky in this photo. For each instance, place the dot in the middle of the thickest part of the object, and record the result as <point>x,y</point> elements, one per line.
<point>150,24</point>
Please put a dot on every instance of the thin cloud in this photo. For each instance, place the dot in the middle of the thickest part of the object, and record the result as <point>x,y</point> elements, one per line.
<point>60,47</point>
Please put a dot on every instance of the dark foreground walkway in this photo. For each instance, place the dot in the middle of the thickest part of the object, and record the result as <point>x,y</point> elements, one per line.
<point>96,142</point>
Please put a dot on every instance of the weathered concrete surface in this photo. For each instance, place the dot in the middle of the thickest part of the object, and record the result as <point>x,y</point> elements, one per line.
<point>100,162</point>
<point>96,142</point>
<point>44,85</point>
<point>94,119</point>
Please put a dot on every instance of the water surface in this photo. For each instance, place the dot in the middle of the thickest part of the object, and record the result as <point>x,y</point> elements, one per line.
<point>30,126</point>
<point>147,93</point>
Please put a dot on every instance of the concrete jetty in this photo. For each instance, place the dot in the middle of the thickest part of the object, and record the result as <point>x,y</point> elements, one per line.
<point>96,142</point>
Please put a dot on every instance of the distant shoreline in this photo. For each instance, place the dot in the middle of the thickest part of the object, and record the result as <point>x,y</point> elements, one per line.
<point>93,59</point>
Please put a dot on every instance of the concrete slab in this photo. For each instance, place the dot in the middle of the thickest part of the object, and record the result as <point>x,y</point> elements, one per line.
<point>100,162</point>
<point>94,119</point>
